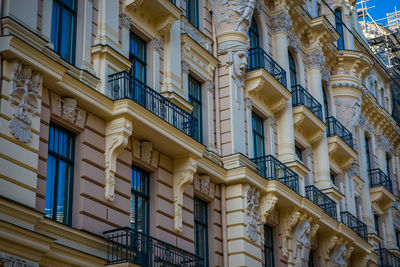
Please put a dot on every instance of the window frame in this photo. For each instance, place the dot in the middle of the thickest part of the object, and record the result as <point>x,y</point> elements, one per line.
<point>74,13</point>
<point>68,190</point>
<point>144,195</point>
<point>260,135</point>
<point>135,58</point>
<point>339,29</point>
<point>203,224</point>
<point>269,246</point>
<point>195,21</point>
<point>196,98</point>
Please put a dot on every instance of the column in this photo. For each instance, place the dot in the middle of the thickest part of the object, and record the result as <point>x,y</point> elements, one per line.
<point>349,193</point>
<point>281,25</point>
<point>209,113</point>
<point>249,109</point>
<point>84,34</point>
<point>390,234</point>
<point>156,64</point>
<point>368,214</point>
<point>315,62</point>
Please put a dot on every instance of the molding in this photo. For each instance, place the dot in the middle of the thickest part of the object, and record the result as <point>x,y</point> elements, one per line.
<point>118,132</point>
<point>281,22</point>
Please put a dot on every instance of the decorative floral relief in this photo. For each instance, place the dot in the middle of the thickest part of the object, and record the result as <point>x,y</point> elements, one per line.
<point>25,88</point>
<point>252,212</point>
<point>14,261</point>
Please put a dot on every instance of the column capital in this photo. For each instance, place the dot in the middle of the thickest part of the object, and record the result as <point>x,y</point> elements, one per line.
<point>281,22</point>
<point>185,67</point>
<point>315,59</point>
<point>125,20</point>
<point>248,103</point>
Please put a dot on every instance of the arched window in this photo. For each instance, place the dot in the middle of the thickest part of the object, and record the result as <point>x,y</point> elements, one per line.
<point>339,29</point>
<point>253,34</point>
<point>326,105</point>
<point>292,71</point>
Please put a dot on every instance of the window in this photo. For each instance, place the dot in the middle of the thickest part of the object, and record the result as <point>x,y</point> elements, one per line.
<point>258,136</point>
<point>376,221</point>
<point>339,29</point>
<point>292,71</point>
<point>195,100</point>
<point>333,179</point>
<point>326,105</point>
<point>398,239</point>
<point>311,259</point>
<point>192,12</point>
<point>253,34</point>
<point>60,166</point>
<point>140,200</point>
<point>367,152</point>
<point>137,55</point>
<point>388,166</point>
<point>299,153</point>
<point>268,246</point>
<point>201,229</point>
<point>63,32</point>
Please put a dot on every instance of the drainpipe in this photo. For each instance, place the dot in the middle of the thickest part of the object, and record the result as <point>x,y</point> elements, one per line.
<point>224,230</point>
<point>216,92</point>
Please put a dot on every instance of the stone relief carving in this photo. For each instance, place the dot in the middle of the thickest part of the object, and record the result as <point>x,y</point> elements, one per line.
<point>184,170</point>
<point>349,112</point>
<point>302,243</point>
<point>341,255</point>
<point>245,10</point>
<point>118,132</point>
<point>210,86</point>
<point>267,205</point>
<point>326,75</point>
<point>69,109</point>
<point>125,20</point>
<point>221,11</point>
<point>315,59</point>
<point>157,45</point>
<point>237,61</point>
<point>14,261</point>
<point>293,41</point>
<point>146,149</point>
<point>383,143</point>
<point>204,184</point>
<point>195,34</point>
<point>287,228</point>
<point>252,211</point>
<point>346,84</point>
<point>24,93</point>
<point>281,22</point>
<point>185,67</point>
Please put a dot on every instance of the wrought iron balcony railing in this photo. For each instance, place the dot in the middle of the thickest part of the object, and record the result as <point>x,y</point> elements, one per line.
<point>321,200</point>
<point>128,245</point>
<point>335,128</point>
<point>355,224</point>
<point>271,168</point>
<point>387,258</point>
<point>258,59</point>
<point>301,97</point>
<point>378,178</point>
<point>123,86</point>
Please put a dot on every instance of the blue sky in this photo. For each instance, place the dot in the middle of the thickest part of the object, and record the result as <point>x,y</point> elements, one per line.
<point>381,8</point>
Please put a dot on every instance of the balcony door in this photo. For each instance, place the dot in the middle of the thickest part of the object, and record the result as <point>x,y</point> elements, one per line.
<point>254,38</point>
<point>137,55</point>
<point>292,71</point>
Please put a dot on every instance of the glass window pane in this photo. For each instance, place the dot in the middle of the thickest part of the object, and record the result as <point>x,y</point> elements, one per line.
<point>195,100</point>
<point>61,190</point>
<point>49,199</point>
<point>139,200</point>
<point>201,229</point>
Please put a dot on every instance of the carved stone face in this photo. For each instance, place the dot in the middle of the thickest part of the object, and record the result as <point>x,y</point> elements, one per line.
<point>240,63</point>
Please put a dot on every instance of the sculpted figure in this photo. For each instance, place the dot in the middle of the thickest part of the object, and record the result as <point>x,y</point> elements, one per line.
<point>339,256</point>
<point>303,244</point>
<point>246,12</point>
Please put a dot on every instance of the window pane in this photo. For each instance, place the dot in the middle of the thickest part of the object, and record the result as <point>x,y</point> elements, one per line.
<point>61,190</point>
<point>139,200</point>
<point>66,36</point>
<point>201,229</point>
<point>137,54</point>
<point>49,199</point>
<point>268,246</point>
<point>195,100</point>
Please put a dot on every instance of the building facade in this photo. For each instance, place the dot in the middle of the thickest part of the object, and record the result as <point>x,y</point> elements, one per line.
<point>195,133</point>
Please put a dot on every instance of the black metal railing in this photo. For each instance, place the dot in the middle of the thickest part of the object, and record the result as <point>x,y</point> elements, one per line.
<point>271,168</point>
<point>387,258</point>
<point>321,200</point>
<point>301,97</point>
<point>335,128</point>
<point>128,245</point>
<point>258,59</point>
<point>355,224</point>
<point>173,1</point>
<point>378,178</point>
<point>123,86</point>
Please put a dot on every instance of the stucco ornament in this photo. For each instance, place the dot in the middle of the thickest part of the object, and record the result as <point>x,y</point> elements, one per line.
<point>204,184</point>
<point>326,75</point>
<point>339,256</point>
<point>118,132</point>
<point>245,8</point>
<point>281,22</point>
<point>293,41</point>
<point>126,20</point>
<point>302,243</point>
<point>287,229</point>
<point>267,205</point>
<point>14,261</point>
<point>192,32</point>
<point>383,143</point>
<point>69,109</point>
<point>237,62</point>
<point>221,11</point>
<point>24,93</point>
<point>184,170</point>
<point>252,212</point>
<point>315,59</point>
<point>146,149</point>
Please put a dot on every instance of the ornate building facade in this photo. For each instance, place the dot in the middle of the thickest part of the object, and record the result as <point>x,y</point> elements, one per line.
<point>195,133</point>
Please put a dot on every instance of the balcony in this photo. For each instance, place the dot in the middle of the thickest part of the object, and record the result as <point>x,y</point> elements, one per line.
<point>123,86</point>
<point>126,245</point>
<point>387,258</point>
<point>321,200</point>
<point>340,143</point>
<point>266,81</point>
<point>381,193</point>
<point>307,115</point>
<point>271,168</point>
<point>355,224</point>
